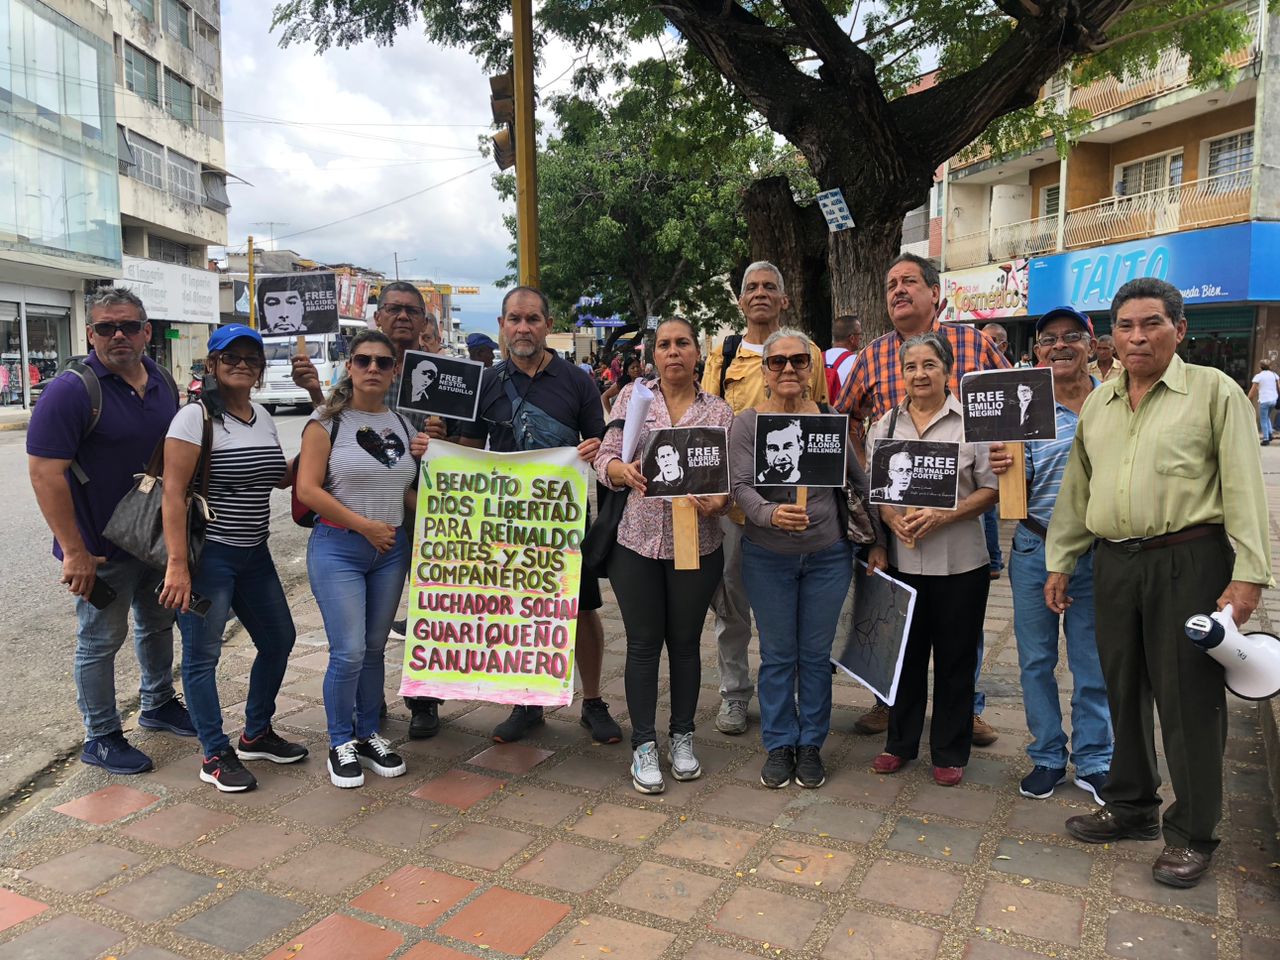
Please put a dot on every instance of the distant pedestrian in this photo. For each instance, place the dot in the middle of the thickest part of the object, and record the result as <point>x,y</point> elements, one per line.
<point>1106,366</point>
<point>846,341</point>
<point>81,465</point>
<point>1265,393</point>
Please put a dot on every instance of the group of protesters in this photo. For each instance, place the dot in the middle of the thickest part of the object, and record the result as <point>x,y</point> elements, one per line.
<point>1132,512</point>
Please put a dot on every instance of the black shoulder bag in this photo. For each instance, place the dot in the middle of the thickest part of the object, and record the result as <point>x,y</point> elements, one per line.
<point>597,545</point>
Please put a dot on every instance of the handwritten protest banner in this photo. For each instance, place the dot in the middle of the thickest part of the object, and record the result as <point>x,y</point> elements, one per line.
<point>496,567</point>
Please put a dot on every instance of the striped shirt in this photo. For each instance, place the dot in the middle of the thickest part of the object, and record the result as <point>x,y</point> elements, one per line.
<point>245,465</point>
<point>370,466</point>
<point>1047,462</point>
<point>875,385</point>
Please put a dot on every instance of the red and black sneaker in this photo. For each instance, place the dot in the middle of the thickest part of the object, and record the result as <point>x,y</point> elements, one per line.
<point>225,771</point>
<point>269,745</point>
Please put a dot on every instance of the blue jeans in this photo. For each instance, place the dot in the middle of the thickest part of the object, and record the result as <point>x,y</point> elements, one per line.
<point>358,592</point>
<point>1036,628</point>
<point>242,579</point>
<point>1264,418</point>
<point>796,600</point>
<point>101,634</point>
<point>991,527</point>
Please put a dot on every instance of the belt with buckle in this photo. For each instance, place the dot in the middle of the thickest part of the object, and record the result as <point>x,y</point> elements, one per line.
<point>1036,527</point>
<point>1139,544</point>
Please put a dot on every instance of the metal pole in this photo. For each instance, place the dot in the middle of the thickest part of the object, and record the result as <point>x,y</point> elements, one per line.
<point>397,256</point>
<point>526,146</point>
<point>253,293</point>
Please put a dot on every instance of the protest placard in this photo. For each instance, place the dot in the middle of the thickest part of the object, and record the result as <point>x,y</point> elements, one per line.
<point>915,473</point>
<point>876,631</point>
<point>493,584</point>
<point>294,304</point>
<point>440,386</point>
<point>1008,405</point>
<point>801,450</point>
<point>684,460</point>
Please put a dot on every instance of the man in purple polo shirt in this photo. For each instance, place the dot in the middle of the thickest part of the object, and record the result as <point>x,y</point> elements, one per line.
<point>138,402</point>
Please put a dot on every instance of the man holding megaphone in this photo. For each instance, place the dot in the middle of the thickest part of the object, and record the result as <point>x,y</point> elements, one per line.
<point>1164,469</point>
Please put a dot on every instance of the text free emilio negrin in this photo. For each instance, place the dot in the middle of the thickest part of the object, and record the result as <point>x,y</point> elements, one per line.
<point>987,403</point>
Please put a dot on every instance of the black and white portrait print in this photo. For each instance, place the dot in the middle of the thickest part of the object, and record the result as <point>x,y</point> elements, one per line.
<point>440,386</point>
<point>915,473</point>
<point>290,304</point>
<point>684,460</point>
<point>803,450</point>
<point>1008,405</point>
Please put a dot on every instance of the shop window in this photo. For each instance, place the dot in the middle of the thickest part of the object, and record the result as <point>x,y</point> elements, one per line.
<point>150,160</point>
<point>179,97</point>
<point>141,74</point>
<point>1050,198</point>
<point>184,178</point>
<point>177,22</point>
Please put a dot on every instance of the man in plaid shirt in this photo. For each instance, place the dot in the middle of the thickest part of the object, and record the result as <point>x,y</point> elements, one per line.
<point>875,386</point>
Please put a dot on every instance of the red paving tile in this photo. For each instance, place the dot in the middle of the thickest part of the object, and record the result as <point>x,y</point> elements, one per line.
<point>14,908</point>
<point>108,804</point>
<point>458,788</point>
<point>512,758</point>
<point>433,951</point>
<point>339,937</point>
<point>416,895</point>
<point>504,920</point>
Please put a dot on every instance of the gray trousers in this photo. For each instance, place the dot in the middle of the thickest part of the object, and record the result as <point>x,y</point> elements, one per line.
<point>733,619</point>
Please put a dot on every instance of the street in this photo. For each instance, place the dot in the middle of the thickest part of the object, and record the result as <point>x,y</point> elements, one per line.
<point>37,638</point>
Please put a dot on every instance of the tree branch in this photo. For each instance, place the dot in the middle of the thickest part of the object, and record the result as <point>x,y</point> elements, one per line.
<point>1161,27</point>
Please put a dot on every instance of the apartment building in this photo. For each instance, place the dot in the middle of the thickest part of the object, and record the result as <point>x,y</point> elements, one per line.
<point>1167,180</point>
<point>59,200</point>
<point>172,166</point>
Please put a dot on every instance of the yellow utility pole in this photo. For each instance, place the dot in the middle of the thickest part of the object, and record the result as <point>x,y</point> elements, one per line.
<point>526,146</point>
<point>253,293</point>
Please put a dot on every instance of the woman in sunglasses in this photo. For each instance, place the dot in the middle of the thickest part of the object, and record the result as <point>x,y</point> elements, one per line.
<point>796,565</point>
<point>236,572</point>
<point>943,555</point>
<point>356,470</point>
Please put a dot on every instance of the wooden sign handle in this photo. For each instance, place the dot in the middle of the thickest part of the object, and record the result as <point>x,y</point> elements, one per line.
<point>802,497</point>
<point>1013,485</point>
<point>302,345</point>
<point>684,521</point>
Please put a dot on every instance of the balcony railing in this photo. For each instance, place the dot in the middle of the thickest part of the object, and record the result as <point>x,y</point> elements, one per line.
<point>968,250</point>
<point>1025,238</point>
<point>1197,203</point>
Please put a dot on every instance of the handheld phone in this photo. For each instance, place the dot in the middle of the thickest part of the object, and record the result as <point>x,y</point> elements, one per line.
<point>198,605</point>
<point>102,594</point>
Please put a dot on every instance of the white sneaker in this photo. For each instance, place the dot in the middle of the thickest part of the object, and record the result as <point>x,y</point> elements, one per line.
<point>344,766</point>
<point>684,765</point>
<point>646,775</point>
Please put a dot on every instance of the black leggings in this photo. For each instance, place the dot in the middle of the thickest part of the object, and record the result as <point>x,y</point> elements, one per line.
<point>661,604</point>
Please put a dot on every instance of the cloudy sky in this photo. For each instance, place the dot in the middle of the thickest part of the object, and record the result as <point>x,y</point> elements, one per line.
<point>325,138</point>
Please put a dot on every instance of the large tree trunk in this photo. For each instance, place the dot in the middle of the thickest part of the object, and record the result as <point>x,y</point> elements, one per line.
<point>858,261</point>
<point>793,238</point>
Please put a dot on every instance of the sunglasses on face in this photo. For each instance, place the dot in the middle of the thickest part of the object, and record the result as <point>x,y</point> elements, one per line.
<point>1048,340</point>
<point>798,361</point>
<point>362,361</point>
<point>130,328</point>
<point>237,360</point>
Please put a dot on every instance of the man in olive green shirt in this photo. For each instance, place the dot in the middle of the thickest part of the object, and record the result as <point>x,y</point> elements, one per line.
<point>1163,470</point>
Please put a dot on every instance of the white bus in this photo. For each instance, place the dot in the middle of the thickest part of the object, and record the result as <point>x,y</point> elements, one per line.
<point>328,352</point>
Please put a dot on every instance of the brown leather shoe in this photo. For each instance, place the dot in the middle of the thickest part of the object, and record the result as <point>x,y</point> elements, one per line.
<point>875,720</point>
<point>1102,826</point>
<point>984,734</point>
<point>1180,866</point>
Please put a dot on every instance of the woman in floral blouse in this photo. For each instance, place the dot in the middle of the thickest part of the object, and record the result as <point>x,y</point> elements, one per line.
<point>660,604</point>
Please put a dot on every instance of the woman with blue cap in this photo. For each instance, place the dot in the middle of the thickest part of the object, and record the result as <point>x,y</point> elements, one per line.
<point>236,572</point>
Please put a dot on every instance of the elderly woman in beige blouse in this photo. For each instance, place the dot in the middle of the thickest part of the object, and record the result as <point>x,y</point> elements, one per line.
<point>661,605</point>
<point>943,555</point>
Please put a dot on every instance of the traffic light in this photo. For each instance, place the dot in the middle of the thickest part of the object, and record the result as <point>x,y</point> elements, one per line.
<point>503,103</point>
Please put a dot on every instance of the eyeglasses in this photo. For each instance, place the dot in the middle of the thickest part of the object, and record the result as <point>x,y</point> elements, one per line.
<point>363,361</point>
<point>798,361</point>
<point>1048,340</point>
<point>237,360</point>
<point>395,309</point>
<point>130,328</point>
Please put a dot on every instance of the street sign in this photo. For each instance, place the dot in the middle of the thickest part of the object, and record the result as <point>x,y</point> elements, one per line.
<point>653,323</point>
<point>463,291</point>
<point>835,210</point>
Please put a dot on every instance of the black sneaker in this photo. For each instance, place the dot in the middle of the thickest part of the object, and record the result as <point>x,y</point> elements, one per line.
<point>114,754</point>
<point>520,722</point>
<point>344,766</point>
<point>269,745</point>
<point>399,629</point>
<point>171,716</point>
<point>810,773</point>
<point>595,717</point>
<point>424,718</point>
<point>375,754</point>
<point>1039,783</point>
<point>779,768</point>
<point>225,771</point>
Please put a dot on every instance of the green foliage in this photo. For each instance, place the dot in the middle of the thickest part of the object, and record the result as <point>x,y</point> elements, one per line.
<point>640,195</point>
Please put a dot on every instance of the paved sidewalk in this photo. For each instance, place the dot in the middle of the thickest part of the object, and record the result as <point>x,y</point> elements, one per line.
<point>543,849</point>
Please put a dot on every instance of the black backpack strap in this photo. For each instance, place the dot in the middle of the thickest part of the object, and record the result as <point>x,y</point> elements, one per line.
<point>728,351</point>
<point>94,388</point>
<point>893,423</point>
<point>167,377</point>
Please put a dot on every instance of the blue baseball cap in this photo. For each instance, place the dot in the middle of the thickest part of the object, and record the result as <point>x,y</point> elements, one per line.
<point>1068,313</point>
<point>477,340</point>
<point>220,338</point>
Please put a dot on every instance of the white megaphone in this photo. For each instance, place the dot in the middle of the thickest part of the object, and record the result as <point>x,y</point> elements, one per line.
<point>1251,661</point>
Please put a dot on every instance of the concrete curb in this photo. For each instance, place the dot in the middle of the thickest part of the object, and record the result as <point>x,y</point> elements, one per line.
<point>13,425</point>
<point>1269,721</point>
